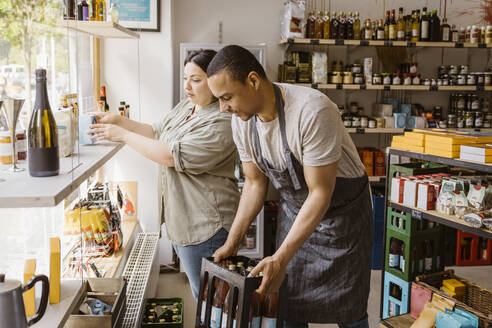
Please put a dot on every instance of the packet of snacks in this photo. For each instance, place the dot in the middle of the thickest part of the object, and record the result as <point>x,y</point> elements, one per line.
<point>444,203</point>
<point>474,219</point>
<point>476,197</point>
<point>460,203</point>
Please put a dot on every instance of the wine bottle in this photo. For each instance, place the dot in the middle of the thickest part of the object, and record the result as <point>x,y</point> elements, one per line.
<point>43,135</point>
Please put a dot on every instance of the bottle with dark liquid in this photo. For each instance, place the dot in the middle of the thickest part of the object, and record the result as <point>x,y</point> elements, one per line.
<point>434,27</point>
<point>334,26</point>
<point>445,31</point>
<point>428,256</point>
<point>387,25</point>
<point>380,30</point>
<point>255,311</point>
<point>69,9</point>
<point>204,302</point>
<point>219,300</point>
<point>392,34</point>
<point>269,311</point>
<point>342,27</point>
<point>310,25</point>
<point>408,27</point>
<point>318,26</point>
<point>43,134</point>
<point>102,97</point>
<point>350,27</point>
<point>394,254</point>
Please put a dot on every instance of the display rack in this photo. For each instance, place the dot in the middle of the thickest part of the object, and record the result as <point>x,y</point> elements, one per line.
<point>404,321</point>
<point>385,43</point>
<point>22,190</point>
<point>99,29</point>
<point>373,87</point>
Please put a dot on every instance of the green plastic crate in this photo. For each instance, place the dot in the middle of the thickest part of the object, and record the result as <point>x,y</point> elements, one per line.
<point>163,301</point>
<point>405,224</point>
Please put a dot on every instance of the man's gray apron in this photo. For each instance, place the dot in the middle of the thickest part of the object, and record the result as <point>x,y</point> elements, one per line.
<point>330,274</point>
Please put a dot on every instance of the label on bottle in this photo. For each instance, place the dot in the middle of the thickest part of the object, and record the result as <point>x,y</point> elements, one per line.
<point>425,30</point>
<point>415,33</point>
<point>428,263</point>
<point>455,37</point>
<point>255,322</point>
<point>402,263</point>
<point>380,35</point>
<point>445,33</point>
<point>469,121</point>
<point>401,34</point>
<point>204,307</point>
<point>368,34</point>
<point>215,317</point>
<point>392,32</point>
<point>224,321</point>
<point>394,260</point>
<point>268,322</point>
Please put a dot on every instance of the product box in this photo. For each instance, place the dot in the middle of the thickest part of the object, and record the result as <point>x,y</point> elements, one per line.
<point>442,147</point>
<point>408,141</point>
<point>426,197</point>
<point>368,70</point>
<point>442,153</point>
<point>475,158</point>
<point>397,188</point>
<point>478,149</point>
<point>410,192</point>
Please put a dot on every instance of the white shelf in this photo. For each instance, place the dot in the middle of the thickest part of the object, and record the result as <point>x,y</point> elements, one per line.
<point>57,314</point>
<point>21,190</point>
<point>108,30</point>
<point>375,130</point>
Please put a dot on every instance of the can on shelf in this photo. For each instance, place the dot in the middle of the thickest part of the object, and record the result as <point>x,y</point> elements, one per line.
<point>487,78</point>
<point>347,121</point>
<point>427,82</point>
<point>434,82</point>
<point>364,122</point>
<point>443,124</point>
<point>453,70</point>
<point>355,122</point>
<point>480,78</point>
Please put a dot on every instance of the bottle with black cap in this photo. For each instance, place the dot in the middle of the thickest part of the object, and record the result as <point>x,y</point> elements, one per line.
<point>43,134</point>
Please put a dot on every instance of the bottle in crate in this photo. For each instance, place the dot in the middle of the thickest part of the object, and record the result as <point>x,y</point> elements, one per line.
<point>219,300</point>
<point>254,312</point>
<point>269,311</point>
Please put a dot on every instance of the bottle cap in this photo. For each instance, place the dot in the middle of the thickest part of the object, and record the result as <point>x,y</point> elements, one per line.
<point>232,267</point>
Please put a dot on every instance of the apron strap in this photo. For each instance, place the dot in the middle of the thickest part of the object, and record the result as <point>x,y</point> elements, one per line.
<point>283,133</point>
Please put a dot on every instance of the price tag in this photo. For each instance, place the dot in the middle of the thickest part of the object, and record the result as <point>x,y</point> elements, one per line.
<point>411,44</point>
<point>360,130</point>
<point>363,87</point>
<point>314,85</point>
<point>339,86</point>
<point>416,214</point>
<point>388,43</point>
<point>339,42</point>
<point>433,88</point>
<point>477,130</point>
<point>387,88</point>
<point>314,41</point>
<point>458,45</point>
<point>480,87</point>
<point>364,43</point>
<point>290,41</point>
<point>482,45</point>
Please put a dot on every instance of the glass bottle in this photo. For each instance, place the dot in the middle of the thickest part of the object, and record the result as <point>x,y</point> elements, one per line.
<point>392,27</point>
<point>349,27</point>
<point>342,26</point>
<point>455,36</point>
<point>70,8</point>
<point>101,6</point>
<point>93,10</point>
<point>334,26</point>
<point>357,33</point>
<point>445,30</point>
<point>401,26</point>
<point>269,311</point>
<point>42,134</point>
<point>434,27</point>
<point>380,35</point>
<point>326,25</point>
<point>255,311</point>
<point>113,14</point>
<point>386,25</point>
<point>218,304</point>
<point>367,35</point>
<point>424,26</point>
<point>310,25</point>
<point>415,28</point>
<point>408,27</point>
<point>318,26</point>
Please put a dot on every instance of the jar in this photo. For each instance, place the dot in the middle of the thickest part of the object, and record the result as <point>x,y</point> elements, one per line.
<point>434,82</point>
<point>413,68</point>
<point>445,81</point>
<point>453,80</point>
<point>377,78</point>
<point>439,82</point>
<point>488,34</point>
<point>443,124</point>
<point>461,79</point>
<point>460,122</point>
<point>336,77</point>
<point>416,79</point>
<point>347,121</point>
<point>358,78</point>
<point>488,117</point>
<point>441,70</point>
<point>407,79</point>
<point>380,122</point>
<point>487,78</point>
<point>396,78</point>
<point>453,70</point>
<point>471,79</point>
<point>355,122</point>
<point>372,124</point>
<point>460,102</point>
<point>480,78</point>
<point>464,69</point>
<point>5,148</point>
<point>348,78</point>
<point>337,66</point>
<point>469,119</point>
<point>475,103</point>
<point>452,122</point>
<point>386,78</point>
<point>356,68</point>
<point>364,122</point>
<point>478,119</point>
<point>21,145</point>
<point>487,123</point>
<point>474,34</point>
<point>427,82</point>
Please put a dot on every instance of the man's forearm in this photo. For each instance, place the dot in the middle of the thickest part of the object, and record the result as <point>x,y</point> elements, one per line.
<point>307,220</point>
<point>143,129</point>
<point>250,204</point>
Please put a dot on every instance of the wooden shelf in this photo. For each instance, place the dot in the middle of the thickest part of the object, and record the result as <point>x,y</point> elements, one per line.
<point>105,29</point>
<point>402,321</point>
<point>372,87</point>
<point>376,130</point>
<point>375,178</point>
<point>21,190</point>
<point>57,314</point>
<point>381,43</point>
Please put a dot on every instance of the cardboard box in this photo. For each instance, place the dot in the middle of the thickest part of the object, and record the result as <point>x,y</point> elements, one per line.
<point>380,171</point>
<point>475,158</point>
<point>397,188</point>
<point>29,296</point>
<point>410,192</point>
<point>55,267</point>
<point>442,147</point>
<point>442,153</point>
<point>426,197</point>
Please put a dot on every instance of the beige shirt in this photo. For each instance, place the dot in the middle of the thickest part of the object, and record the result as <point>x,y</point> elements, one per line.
<point>315,134</point>
<point>200,193</point>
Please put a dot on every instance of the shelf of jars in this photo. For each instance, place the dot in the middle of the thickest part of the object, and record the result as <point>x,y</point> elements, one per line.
<point>19,189</point>
<point>100,29</point>
<point>450,88</point>
<point>384,43</point>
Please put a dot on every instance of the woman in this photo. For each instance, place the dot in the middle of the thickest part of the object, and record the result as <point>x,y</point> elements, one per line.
<point>193,145</point>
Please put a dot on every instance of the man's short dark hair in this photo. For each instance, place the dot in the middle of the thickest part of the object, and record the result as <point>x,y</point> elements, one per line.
<point>237,61</point>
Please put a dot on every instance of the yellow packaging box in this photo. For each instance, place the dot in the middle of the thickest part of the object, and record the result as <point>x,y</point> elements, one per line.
<point>29,296</point>
<point>442,153</point>
<point>454,286</point>
<point>55,270</point>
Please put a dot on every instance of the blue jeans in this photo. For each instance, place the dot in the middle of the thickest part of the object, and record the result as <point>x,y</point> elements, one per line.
<point>191,257</point>
<point>364,323</point>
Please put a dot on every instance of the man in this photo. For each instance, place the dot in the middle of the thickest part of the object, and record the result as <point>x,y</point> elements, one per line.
<point>294,137</point>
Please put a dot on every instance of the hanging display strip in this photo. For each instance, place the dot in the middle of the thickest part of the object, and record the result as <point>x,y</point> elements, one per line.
<point>137,272</point>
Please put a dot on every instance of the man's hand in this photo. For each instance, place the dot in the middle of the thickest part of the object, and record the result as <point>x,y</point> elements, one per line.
<point>227,250</point>
<point>107,117</point>
<point>273,270</point>
<point>109,132</point>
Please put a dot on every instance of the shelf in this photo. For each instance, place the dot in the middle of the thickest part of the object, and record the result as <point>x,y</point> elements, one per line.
<point>377,179</point>
<point>381,43</point>
<point>107,30</point>
<point>372,87</point>
<point>447,220</point>
<point>442,160</point>
<point>402,321</point>
<point>57,314</point>
<point>376,130</point>
<point>21,190</point>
